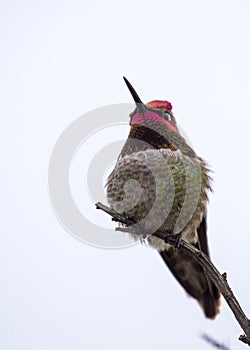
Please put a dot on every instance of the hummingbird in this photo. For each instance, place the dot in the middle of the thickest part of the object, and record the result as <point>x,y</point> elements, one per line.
<point>159,183</point>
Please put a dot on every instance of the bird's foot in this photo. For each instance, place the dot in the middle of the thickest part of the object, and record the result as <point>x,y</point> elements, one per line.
<point>177,237</point>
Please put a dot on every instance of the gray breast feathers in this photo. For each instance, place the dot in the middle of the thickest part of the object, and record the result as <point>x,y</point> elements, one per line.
<point>159,189</point>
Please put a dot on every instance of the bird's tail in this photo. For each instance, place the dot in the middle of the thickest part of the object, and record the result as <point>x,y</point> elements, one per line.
<point>193,279</point>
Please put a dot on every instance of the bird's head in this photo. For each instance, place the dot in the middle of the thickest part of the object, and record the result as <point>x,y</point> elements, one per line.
<point>155,124</point>
<point>156,112</point>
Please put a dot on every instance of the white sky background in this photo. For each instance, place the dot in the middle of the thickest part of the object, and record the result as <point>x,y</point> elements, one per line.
<point>62,59</point>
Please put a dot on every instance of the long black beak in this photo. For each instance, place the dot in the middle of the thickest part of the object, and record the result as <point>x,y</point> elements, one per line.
<point>138,101</point>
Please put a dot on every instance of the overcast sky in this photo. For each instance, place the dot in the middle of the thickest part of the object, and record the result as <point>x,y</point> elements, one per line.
<point>62,59</point>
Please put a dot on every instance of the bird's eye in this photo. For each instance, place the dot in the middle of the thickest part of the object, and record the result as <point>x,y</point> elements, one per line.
<point>167,116</point>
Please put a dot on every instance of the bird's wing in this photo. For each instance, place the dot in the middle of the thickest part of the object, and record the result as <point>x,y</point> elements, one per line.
<point>203,245</point>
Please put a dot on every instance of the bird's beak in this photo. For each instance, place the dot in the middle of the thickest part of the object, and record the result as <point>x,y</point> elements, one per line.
<point>139,104</point>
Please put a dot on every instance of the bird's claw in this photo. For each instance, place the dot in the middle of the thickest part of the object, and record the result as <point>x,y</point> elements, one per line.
<point>177,237</point>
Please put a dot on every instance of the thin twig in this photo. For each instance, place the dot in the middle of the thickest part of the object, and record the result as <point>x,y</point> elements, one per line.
<point>220,280</point>
<point>214,342</point>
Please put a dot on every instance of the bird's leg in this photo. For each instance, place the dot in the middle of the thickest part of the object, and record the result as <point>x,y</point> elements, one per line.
<point>177,237</point>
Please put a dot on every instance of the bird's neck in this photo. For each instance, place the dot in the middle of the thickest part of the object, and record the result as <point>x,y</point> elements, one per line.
<point>142,138</point>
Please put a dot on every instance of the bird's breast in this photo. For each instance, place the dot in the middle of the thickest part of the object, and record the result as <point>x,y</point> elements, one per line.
<point>159,190</point>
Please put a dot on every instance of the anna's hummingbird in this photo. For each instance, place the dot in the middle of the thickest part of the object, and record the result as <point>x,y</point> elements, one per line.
<point>159,183</point>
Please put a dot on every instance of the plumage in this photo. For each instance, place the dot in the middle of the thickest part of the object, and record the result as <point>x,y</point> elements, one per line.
<point>161,184</point>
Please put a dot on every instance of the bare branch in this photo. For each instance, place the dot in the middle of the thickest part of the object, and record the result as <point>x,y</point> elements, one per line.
<point>220,280</point>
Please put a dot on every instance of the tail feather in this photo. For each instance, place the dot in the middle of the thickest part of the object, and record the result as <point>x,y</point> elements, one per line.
<point>193,279</point>
<point>210,305</point>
